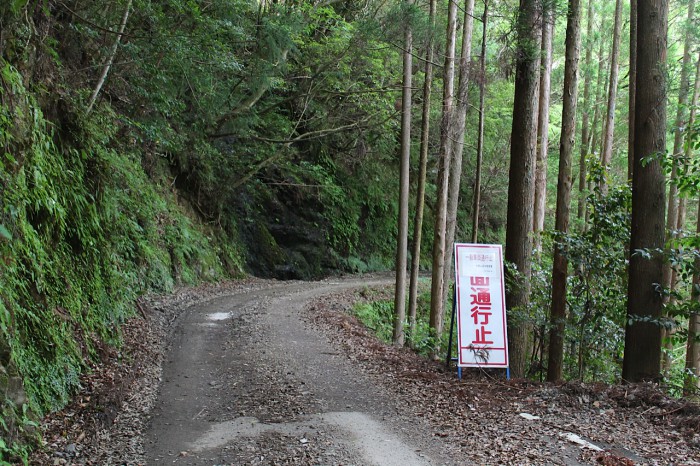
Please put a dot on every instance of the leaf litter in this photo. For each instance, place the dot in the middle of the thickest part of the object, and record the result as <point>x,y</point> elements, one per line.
<point>480,415</point>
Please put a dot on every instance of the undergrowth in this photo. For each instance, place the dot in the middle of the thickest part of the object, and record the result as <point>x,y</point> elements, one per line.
<point>377,314</point>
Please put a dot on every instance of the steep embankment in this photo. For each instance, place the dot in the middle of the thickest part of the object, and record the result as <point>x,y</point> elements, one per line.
<point>83,232</point>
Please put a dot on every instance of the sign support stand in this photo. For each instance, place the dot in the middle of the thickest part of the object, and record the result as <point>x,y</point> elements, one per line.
<point>452,327</point>
<point>449,357</point>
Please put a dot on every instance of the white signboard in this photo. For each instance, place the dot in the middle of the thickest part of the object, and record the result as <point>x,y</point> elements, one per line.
<point>482,338</point>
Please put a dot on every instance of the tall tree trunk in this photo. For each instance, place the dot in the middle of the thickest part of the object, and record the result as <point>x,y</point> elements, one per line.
<point>644,301</point>
<point>439,240</point>
<point>566,151</point>
<point>402,240</point>
<point>112,54</point>
<point>480,137</point>
<point>608,135</point>
<point>457,135</point>
<point>521,189</point>
<point>632,88</point>
<point>543,126</point>
<point>673,198</point>
<point>420,195</point>
<point>585,128</point>
<point>601,91</point>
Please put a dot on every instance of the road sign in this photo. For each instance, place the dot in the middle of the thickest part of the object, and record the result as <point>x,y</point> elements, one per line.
<point>482,338</point>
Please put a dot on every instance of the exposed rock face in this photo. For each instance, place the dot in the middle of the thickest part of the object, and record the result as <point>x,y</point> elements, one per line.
<point>12,396</point>
<point>11,387</point>
<point>286,236</point>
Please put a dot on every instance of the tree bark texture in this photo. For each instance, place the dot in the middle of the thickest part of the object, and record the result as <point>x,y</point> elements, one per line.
<point>644,301</point>
<point>521,189</point>
<point>422,170</point>
<point>457,136</point>
<point>566,151</point>
<point>543,126</point>
<point>439,240</point>
<point>632,88</point>
<point>402,240</point>
<point>480,137</point>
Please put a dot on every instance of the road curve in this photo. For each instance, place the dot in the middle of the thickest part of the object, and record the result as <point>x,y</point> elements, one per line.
<point>248,381</point>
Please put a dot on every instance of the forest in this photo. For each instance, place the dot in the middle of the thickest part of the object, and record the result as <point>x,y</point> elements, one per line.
<point>148,145</point>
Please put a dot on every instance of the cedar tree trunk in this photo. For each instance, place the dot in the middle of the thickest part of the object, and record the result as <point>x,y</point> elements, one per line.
<point>402,240</point>
<point>644,299</point>
<point>566,151</point>
<point>521,185</point>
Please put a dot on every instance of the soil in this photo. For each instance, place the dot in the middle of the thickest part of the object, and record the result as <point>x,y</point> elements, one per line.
<point>267,372</point>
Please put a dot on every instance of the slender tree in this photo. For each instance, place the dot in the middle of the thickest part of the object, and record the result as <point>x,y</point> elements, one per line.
<point>110,60</point>
<point>608,134</point>
<point>402,241</point>
<point>601,90</point>
<point>672,216</point>
<point>457,135</point>
<point>422,170</point>
<point>480,137</point>
<point>644,301</point>
<point>521,189</point>
<point>692,356</point>
<point>585,123</point>
<point>439,240</point>
<point>543,124</point>
<point>688,153</point>
<point>678,136</point>
<point>566,150</point>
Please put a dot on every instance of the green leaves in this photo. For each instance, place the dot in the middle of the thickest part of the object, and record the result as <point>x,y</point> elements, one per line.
<point>17,5</point>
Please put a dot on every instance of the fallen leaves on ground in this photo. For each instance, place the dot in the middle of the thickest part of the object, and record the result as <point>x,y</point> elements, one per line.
<point>480,414</point>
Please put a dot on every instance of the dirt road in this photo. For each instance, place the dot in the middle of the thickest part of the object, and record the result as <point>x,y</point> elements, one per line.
<point>248,381</point>
<point>262,372</point>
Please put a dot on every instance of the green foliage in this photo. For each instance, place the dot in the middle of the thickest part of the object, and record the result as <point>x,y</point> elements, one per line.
<point>378,316</point>
<point>19,432</point>
<point>597,314</point>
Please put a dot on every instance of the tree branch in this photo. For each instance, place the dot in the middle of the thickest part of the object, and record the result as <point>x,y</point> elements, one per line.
<point>257,95</point>
<point>302,137</point>
<point>112,54</point>
<point>256,169</point>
